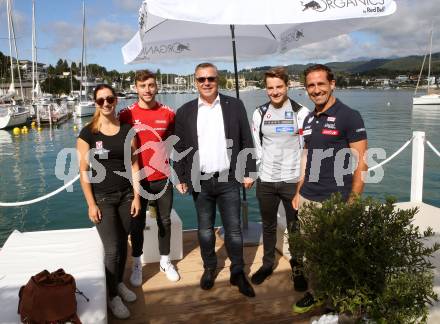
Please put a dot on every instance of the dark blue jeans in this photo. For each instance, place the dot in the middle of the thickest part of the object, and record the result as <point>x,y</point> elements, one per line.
<point>113,231</point>
<point>227,196</point>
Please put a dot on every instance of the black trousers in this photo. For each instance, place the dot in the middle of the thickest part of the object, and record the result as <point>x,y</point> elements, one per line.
<point>269,195</point>
<point>113,231</point>
<point>164,204</point>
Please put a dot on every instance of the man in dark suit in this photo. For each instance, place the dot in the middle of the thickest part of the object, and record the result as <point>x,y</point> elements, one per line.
<point>214,131</point>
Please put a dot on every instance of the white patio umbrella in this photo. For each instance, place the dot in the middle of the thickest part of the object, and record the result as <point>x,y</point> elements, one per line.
<point>199,29</point>
<point>170,30</point>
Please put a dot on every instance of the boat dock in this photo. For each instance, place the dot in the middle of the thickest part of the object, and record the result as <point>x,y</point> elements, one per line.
<point>162,302</point>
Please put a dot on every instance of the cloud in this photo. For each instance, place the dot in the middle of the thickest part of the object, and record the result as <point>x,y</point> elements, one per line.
<point>406,32</point>
<point>66,38</point>
<point>106,33</point>
<point>325,51</point>
<point>128,5</point>
<point>22,25</point>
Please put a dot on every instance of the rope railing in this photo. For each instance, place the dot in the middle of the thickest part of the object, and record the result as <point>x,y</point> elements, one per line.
<point>433,148</point>
<point>33,201</point>
<point>71,182</point>
<point>392,156</point>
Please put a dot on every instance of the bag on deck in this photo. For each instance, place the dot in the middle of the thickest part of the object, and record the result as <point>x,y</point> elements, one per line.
<point>48,298</point>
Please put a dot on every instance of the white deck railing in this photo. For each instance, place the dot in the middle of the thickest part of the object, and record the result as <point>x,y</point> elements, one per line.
<point>417,168</point>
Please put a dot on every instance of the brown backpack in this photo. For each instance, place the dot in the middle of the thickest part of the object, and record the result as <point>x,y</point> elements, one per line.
<point>48,298</point>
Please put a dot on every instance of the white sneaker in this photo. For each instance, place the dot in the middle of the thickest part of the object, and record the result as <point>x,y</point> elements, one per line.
<point>136,275</point>
<point>118,309</point>
<point>126,294</point>
<point>170,271</point>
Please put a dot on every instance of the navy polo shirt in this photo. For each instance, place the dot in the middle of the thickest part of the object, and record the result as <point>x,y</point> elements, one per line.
<point>327,137</point>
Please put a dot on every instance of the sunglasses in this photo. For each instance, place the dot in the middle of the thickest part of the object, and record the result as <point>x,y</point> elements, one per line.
<point>110,100</point>
<point>203,79</point>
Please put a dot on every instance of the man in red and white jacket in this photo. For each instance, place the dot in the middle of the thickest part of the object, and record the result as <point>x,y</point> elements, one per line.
<point>153,123</point>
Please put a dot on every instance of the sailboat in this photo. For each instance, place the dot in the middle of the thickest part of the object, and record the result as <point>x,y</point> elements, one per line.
<point>71,97</point>
<point>431,98</point>
<point>11,114</point>
<point>85,106</point>
<point>47,111</point>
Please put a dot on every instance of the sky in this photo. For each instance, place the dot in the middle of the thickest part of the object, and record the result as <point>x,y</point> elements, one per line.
<point>112,23</point>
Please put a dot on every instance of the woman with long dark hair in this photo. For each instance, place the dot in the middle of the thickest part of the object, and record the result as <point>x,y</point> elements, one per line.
<point>112,198</point>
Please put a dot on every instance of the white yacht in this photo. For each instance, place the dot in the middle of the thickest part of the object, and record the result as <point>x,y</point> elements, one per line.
<point>84,108</point>
<point>428,99</point>
<point>431,98</point>
<point>12,115</point>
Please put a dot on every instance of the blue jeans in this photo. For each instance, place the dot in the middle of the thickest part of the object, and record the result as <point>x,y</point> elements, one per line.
<point>113,231</point>
<point>227,196</point>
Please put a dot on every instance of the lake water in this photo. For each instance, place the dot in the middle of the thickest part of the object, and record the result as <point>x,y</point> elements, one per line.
<point>27,161</point>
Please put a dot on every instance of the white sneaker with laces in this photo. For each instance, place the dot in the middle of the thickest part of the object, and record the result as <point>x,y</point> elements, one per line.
<point>136,275</point>
<point>126,294</point>
<point>170,271</point>
<point>118,309</point>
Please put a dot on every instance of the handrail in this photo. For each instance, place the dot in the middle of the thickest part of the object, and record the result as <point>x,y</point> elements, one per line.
<point>33,201</point>
<point>393,155</point>
<point>433,148</point>
<point>71,182</point>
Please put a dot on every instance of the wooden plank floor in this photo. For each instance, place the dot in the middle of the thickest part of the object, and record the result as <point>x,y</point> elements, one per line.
<point>163,302</point>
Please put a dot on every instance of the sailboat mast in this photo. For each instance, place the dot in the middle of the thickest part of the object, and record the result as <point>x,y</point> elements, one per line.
<point>82,53</point>
<point>16,54</point>
<point>33,51</point>
<point>8,10</point>
<point>429,65</point>
<point>71,80</point>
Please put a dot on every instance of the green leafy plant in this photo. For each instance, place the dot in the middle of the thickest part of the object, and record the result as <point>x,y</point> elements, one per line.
<point>368,258</point>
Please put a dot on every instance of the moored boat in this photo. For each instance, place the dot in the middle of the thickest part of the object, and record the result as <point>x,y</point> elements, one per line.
<point>428,99</point>
<point>52,113</point>
<point>85,108</point>
<point>12,115</point>
<point>431,98</point>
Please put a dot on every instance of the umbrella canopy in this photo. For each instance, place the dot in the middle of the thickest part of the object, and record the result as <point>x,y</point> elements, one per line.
<point>172,29</point>
<point>200,29</point>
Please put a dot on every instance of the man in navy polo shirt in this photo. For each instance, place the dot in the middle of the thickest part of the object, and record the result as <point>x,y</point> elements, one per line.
<point>333,134</point>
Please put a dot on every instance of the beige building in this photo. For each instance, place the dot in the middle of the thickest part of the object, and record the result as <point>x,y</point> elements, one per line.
<point>230,83</point>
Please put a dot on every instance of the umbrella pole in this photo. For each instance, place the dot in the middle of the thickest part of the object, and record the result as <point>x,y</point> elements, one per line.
<point>234,55</point>
<point>244,209</point>
<point>251,231</point>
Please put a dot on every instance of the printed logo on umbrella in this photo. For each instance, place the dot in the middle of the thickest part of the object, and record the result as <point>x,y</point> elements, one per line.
<point>311,5</point>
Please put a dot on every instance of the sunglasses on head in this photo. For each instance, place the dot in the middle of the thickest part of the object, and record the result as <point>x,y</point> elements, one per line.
<point>203,79</point>
<point>110,100</point>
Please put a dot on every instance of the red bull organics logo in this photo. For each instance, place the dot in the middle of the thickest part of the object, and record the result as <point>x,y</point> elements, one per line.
<point>369,6</point>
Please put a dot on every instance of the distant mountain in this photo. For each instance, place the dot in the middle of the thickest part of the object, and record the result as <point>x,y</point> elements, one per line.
<point>391,65</point>
<point>361,59</point>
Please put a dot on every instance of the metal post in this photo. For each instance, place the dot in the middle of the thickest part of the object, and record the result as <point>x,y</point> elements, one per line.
<point>418,158</point>
<point>244,207</point>
<point>251,230</point>
<point>234,55</point>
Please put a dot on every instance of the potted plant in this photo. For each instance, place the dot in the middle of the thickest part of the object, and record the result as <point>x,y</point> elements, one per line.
<point>368,259</point>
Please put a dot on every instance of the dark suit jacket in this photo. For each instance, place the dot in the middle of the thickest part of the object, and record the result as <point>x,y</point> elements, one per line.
<point>236,128</point>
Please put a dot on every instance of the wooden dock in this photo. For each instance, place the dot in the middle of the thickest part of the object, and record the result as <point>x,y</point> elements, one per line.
<point>163,302</point>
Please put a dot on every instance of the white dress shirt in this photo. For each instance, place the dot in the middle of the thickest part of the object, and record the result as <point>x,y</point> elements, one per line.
<point>211,137</point>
